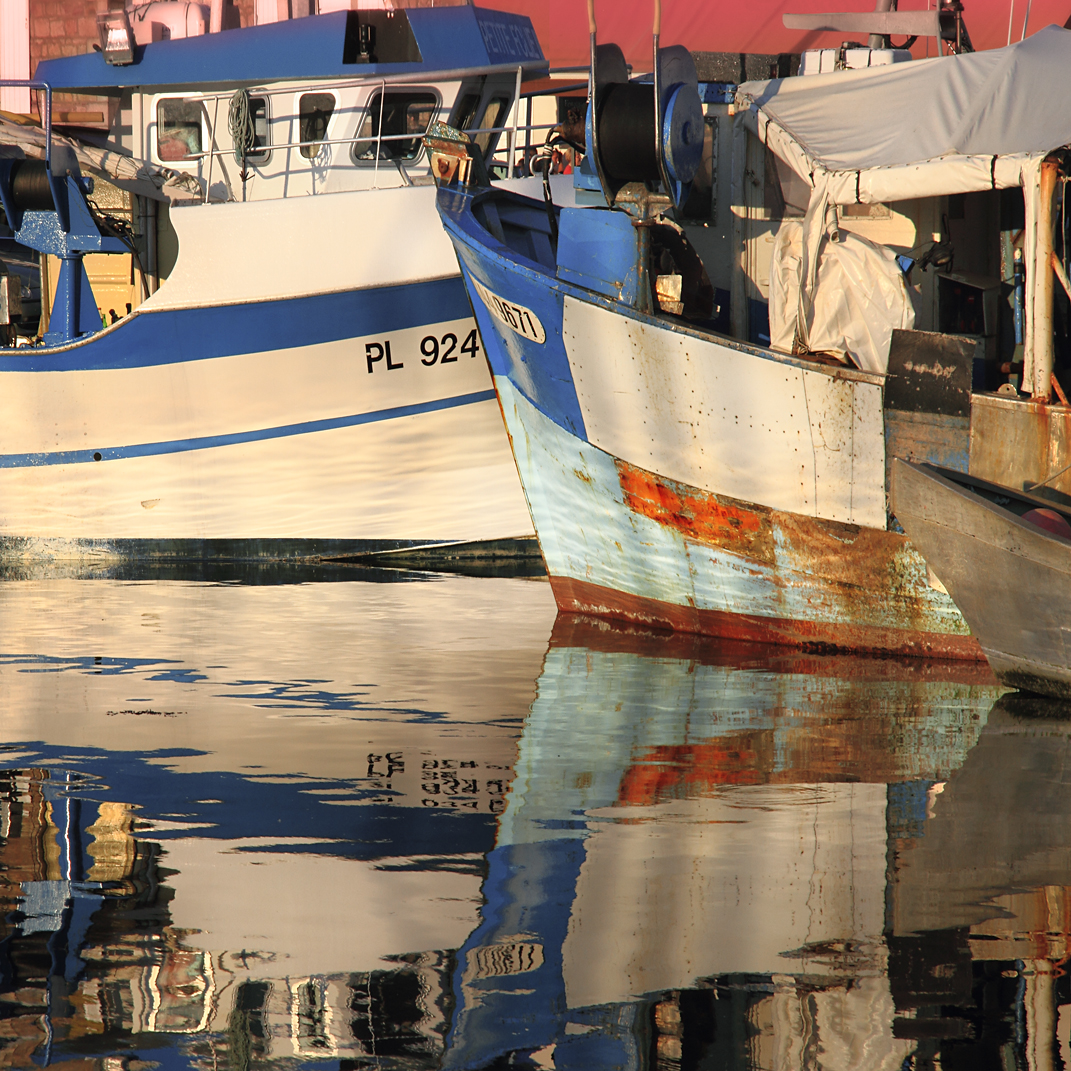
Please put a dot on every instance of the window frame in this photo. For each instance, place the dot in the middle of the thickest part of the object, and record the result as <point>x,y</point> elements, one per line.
<point>366,114</point>
<point>335,110</point>
<point>206,133</point>
<point>261,156</point>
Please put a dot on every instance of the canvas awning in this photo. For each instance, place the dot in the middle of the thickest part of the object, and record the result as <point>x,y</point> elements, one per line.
<point>923,128</point>
<point>926,128</point>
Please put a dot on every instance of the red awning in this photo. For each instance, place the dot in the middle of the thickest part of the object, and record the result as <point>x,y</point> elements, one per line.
<point>709,26</point>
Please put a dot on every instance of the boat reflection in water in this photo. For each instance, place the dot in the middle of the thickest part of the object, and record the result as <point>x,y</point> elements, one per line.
<point>742,858</point>
<point>243,822</point>
<point>293,825</point>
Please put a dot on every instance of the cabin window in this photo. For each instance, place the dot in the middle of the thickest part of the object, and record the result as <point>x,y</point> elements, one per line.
<point>494,115</point>
<point>465,111</point>
<point>314,116</point>
<point>389,115</point>
<point>178,130</point>
<point>258,108</point>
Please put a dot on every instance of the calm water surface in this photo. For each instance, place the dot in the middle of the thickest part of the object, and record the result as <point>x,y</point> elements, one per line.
<point>413,821</point>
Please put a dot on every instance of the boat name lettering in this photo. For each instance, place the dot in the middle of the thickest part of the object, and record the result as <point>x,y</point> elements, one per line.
<point>516,317</point>
<point>380,350</point>
<point>435,349</point>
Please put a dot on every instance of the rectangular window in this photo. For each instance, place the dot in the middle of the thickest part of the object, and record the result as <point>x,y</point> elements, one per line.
<point>400,112</point>
<point>464,117</point>
<point>314,117</point>
<point>178,129</point>
<point>258,107</point>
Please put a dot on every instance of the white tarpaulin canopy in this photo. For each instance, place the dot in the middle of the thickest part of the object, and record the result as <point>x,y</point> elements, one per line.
<point>934,124</point>
<point>926,128</point>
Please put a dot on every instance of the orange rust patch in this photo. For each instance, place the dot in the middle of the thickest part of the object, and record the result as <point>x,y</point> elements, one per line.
<point>697,514</point>
<point>685,771</point>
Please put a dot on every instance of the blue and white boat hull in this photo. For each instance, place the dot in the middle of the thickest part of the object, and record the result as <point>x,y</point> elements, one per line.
<point>262,397</point>
<point>690,481</point>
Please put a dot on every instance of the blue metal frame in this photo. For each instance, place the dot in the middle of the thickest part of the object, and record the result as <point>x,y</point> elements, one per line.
<point>67,230</point>
<point>449,39</point>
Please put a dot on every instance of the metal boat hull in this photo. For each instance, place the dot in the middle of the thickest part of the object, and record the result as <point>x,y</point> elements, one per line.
<point>1008,576</point>
<point>692,482</point>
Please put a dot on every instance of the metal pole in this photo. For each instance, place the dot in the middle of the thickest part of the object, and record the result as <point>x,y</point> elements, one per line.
<point>1041,328</point>
<point>152,267</point>
<point>379,132</point>
<point>516,118</point>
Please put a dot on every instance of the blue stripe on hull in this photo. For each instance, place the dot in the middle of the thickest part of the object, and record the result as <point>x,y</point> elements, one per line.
<point>175,336</point>
<point>206,442</point>
<point>539,370</point>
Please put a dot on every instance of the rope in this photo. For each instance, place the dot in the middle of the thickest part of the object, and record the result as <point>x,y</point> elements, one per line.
<point>242,131</point>
<point>240,125</point>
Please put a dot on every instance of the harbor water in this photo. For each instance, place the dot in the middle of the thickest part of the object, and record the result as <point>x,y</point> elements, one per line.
<point>347,818</point>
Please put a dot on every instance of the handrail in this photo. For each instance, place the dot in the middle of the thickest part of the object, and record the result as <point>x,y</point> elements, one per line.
<point>413,78</point>
<point>24,83</point>
<point>375,85</point>
<point>356,140</point>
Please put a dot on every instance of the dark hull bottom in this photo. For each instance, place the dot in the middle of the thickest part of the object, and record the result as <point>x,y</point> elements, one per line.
<point>15,549</point>
<point>1038,677</point>
<point>578,596</point>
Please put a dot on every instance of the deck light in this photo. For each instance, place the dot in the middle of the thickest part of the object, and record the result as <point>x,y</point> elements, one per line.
<point>116,38</point>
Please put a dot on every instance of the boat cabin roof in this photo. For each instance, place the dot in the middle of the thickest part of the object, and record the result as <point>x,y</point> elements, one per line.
<point>414,41</point>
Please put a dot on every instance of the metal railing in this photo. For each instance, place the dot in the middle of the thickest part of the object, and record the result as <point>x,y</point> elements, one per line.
<point>380,85</point>
<point>24,83</point>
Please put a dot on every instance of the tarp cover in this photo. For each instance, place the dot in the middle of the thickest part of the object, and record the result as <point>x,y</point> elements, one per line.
<point>860,296</point>
<point>927,128</point>
<point>1007,101</point>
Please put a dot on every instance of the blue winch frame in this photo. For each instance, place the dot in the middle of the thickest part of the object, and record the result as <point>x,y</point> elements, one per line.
<point>67,230</point>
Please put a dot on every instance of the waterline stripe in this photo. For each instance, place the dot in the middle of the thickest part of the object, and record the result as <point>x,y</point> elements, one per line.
<point>207,442</point>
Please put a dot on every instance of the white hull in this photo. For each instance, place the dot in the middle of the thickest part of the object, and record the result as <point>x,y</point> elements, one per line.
<point>208,415</point>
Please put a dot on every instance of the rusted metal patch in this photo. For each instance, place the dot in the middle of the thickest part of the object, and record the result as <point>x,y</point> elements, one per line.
<point>617,635</point>
<point>1018,443</point>
<point>697,514</point>
<point>684,771</point>
<point>839,633</point>
<point>851,577</point>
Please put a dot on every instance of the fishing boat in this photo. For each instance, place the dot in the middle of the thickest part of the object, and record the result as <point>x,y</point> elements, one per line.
<point>1005,557</point>
<point>272,353</point>
<point>707,366</point>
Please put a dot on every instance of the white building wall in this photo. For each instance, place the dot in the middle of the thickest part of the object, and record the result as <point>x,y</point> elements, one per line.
<point>14,53</point>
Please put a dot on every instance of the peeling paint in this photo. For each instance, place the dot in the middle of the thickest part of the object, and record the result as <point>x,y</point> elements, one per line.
<point>697,514</point>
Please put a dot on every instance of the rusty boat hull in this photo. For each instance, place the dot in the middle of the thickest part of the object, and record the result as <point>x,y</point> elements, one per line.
<point>685,480</point>
<point>1009,576</point>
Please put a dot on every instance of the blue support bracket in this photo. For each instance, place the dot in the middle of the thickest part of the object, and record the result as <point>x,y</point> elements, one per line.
<point>56,220</point>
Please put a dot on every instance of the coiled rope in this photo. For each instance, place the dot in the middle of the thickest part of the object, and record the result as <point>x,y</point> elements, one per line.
<point>243,132</point>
